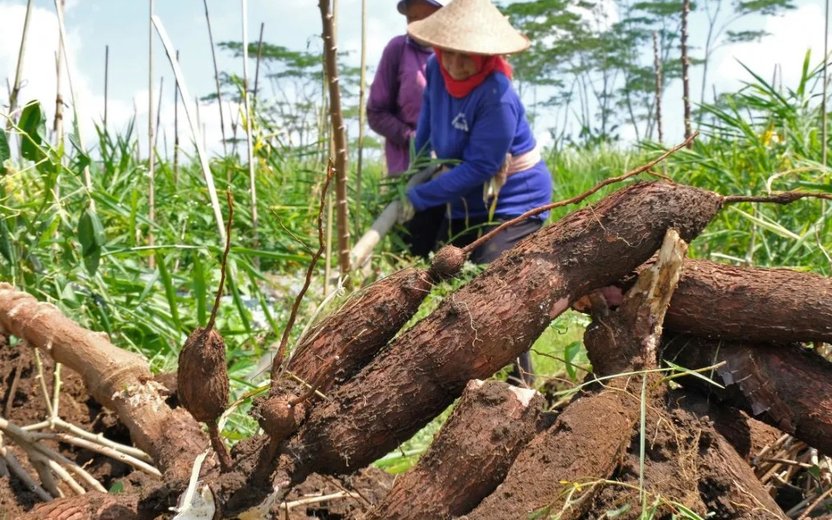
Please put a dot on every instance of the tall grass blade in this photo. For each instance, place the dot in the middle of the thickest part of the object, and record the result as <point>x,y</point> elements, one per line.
<point>196,135</point>
<point>199,289</point>
<point>170,291</point>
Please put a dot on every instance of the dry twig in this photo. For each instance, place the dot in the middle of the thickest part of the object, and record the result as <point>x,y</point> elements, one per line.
<point>277,364</point>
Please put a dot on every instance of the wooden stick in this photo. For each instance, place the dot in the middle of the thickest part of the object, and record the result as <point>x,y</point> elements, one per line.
<point>362,249</point>
<point>106,82</point>
<point>257,63</point>
<point>216,76</point>
<point>15,467</point>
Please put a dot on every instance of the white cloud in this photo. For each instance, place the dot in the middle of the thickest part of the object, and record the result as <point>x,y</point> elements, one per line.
<point>38,82</point>
<point>791,35</point>
<point>38,74</point>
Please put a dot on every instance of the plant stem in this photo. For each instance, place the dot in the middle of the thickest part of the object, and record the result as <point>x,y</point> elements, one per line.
<point>606,182</point>
<point>339,135</point>
<point>216,76</point>
<point>277,364</point>
<point>176,130</point>
<point>824,145</point>
<point>219,447</point>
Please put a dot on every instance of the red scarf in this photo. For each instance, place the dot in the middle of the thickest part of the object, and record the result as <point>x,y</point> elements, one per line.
<point>485,65</point>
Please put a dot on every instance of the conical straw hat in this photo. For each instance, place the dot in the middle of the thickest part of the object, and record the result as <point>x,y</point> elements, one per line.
<point>469,26</point>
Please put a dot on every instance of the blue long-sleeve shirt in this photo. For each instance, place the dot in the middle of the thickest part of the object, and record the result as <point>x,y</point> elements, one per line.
<point>477,130</point>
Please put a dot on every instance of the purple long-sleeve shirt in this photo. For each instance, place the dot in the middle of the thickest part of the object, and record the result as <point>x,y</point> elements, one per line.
<point>396,97</point>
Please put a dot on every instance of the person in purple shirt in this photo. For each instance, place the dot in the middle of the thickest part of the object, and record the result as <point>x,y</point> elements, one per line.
<point>393,110</point>
<point>473,120</point>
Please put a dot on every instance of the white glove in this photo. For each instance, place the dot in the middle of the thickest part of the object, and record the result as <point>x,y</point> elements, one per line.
<point>406,210</point>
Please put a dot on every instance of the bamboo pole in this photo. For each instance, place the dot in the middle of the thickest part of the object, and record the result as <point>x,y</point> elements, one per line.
<point>257,63</point>
<point>362,93</point>
<point>824,116</point>
<point>339,136</point>
<point>21,53</point>
<point>151,138</point>
<point>176,129</point>
<point>58,121</point>
<point>195,133</point>
<point>75,121</point>
<point>216,76</point>
<point>158,121</point>
<point>106,82</point>
<point>683,43</point>
<point>249,141</point>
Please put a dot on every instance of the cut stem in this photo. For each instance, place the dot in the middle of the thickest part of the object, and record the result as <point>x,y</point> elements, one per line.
<point>219,447</point>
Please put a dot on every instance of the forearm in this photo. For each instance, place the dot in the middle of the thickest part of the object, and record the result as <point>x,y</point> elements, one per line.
<point>450,186</point>
<point>389,126</point>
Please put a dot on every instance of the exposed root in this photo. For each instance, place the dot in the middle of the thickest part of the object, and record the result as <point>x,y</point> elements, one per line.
<point>47,462</point>
<point>219,447</point>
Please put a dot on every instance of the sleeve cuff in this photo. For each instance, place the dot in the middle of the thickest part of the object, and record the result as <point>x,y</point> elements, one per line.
<point>416,200</point>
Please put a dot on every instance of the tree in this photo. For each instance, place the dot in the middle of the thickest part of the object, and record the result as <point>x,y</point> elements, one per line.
<point>719,33</point>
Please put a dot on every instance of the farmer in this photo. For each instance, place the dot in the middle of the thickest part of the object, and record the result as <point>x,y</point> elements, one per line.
<point>393,109</point>
<point>472,118</point>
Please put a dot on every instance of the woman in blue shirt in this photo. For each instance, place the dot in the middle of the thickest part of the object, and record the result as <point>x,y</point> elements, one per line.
<point>472,118</point>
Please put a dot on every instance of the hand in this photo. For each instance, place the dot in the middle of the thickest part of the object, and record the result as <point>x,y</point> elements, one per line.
<point>406,210</point>
<point>494,184</point>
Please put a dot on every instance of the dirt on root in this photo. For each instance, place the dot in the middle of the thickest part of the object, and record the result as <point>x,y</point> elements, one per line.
<point>23,403</point>
<point>349,497</point>
<point>687,465</point>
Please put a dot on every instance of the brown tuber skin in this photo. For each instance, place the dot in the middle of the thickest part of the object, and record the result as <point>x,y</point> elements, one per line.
<point>447,263</point>
<point>202,375</point>
<point>202,379</point>
<point>280,416</point>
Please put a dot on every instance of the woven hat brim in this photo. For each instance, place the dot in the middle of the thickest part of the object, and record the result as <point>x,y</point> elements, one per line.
<point>469,26</point>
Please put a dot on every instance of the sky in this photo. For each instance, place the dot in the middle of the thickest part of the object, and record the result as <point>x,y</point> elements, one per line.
<point>123,25</point>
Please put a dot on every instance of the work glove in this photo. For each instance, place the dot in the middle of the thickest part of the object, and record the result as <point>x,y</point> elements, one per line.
<point>406,210</point>
<point>494,184</point>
